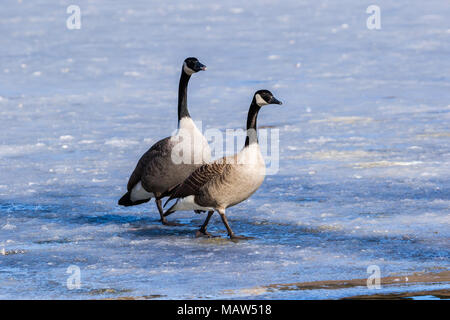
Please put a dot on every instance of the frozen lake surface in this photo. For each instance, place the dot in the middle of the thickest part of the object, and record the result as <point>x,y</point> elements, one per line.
<point>364,172</point>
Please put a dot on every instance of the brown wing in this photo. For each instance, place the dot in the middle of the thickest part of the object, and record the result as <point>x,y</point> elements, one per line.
<point>193,184</point>
<point>158,149</point>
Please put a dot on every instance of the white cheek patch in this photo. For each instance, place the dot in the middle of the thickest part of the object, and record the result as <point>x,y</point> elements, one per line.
<point>188,70</point>
<point>260,101</point>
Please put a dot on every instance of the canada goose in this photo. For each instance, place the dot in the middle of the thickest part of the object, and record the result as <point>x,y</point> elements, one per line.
<point>161,167</point>
<point>229,180</point>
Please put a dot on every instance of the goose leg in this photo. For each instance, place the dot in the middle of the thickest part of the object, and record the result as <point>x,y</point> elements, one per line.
<point>163,218</point>
<point>230,232</point>
<point>202,231</point>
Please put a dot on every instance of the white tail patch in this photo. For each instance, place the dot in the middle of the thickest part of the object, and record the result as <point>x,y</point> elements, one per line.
<point>188,204</point>
<point>138,193</point>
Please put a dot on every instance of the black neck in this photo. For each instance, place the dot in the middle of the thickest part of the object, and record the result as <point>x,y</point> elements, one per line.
<point>252,136</point>
<point>182,96</point>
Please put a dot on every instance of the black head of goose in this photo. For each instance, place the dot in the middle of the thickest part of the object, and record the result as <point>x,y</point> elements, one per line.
<point>190,66</point>
<point>229,180</point>
<point>155,172</point>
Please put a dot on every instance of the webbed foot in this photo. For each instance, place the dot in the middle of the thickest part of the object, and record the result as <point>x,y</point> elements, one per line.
<point>171,223</point>
<point>204,234</point>
<point>236,238</point>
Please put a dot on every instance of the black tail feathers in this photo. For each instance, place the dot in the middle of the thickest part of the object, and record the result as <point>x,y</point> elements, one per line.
<point>126,200</point>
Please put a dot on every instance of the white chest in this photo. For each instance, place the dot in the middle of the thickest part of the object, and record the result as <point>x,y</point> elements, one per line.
<point>251,156</point>
<point>190,146</point>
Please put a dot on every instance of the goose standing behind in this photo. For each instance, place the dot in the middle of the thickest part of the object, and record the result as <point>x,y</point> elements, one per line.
<point>156,172</point>
<point>229,180</point>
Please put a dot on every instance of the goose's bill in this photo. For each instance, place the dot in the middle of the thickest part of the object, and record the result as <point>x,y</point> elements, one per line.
<point>199,66</point>
<point>274,100</point>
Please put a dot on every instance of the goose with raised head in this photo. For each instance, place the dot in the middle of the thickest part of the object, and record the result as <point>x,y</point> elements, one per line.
<point>171,160</point>
<point>226,181</point>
